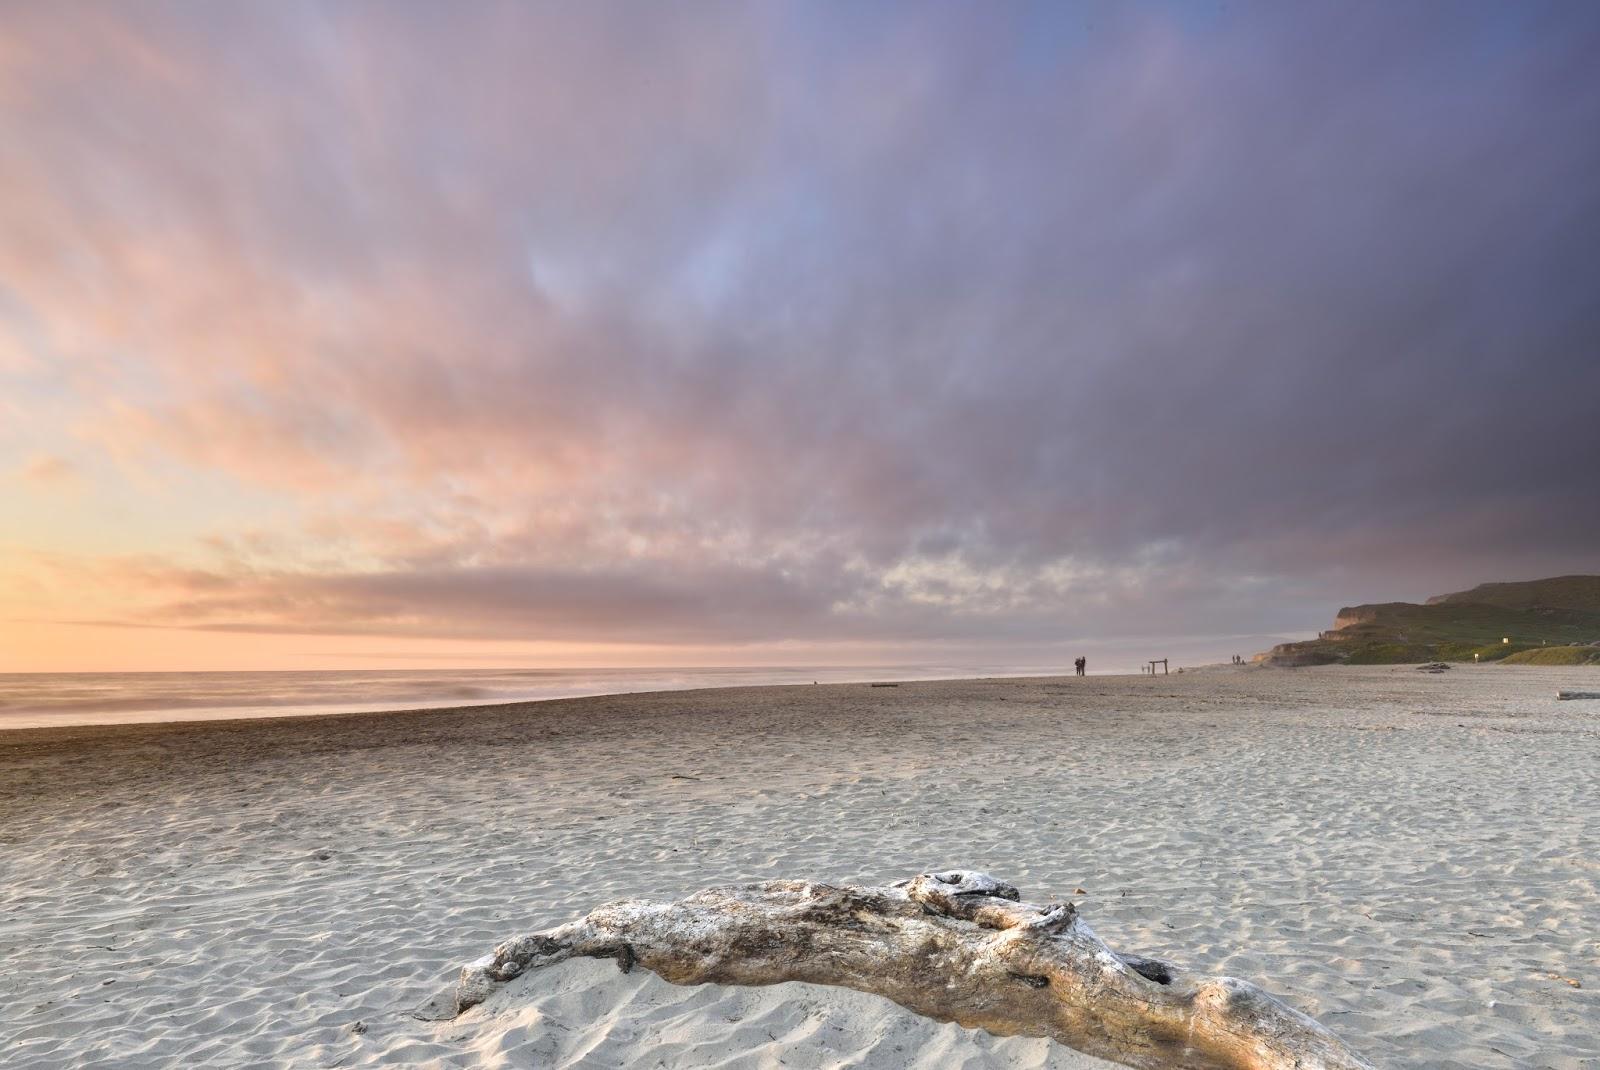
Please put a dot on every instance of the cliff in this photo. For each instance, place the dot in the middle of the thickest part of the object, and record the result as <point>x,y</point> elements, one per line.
<point>1563,611</point>
<point>1581,593</point>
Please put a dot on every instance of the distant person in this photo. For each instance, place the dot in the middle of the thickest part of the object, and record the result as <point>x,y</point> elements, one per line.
<point>1080,665</point>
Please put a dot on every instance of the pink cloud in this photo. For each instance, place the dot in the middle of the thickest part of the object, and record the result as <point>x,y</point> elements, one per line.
<point>49,470</point>
<point>506,314</point>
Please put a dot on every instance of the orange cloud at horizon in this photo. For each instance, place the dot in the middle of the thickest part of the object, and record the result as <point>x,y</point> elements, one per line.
<point>45,646</point>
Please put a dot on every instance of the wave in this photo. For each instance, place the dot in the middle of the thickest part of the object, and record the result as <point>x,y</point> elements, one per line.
<point>31,700</point>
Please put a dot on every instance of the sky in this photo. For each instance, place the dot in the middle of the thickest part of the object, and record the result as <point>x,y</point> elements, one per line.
<point>406,334</point>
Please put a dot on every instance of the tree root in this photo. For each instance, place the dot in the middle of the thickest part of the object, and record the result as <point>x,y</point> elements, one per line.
<point>952,946</point>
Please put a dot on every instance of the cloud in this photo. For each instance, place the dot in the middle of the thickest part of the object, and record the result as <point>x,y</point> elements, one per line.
<point>48,470</point>
<point>770,321</point>
<point>941,601</point>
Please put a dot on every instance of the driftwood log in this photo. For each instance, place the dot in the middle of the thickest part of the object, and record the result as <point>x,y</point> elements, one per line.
<point>952,946</point>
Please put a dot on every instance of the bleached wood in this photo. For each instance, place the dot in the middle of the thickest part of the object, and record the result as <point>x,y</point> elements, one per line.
<point>955,946</point>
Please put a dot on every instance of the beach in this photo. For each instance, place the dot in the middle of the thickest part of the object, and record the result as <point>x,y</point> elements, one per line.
<point>1411,858</point>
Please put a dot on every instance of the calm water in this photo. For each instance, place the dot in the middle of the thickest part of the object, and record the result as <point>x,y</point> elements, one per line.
<point>32,700</point>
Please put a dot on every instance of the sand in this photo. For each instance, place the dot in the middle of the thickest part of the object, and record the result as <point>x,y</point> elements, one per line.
<point>1414,859</point>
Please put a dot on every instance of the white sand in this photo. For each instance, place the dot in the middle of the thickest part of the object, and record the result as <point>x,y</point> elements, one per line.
<point>1408,857</point>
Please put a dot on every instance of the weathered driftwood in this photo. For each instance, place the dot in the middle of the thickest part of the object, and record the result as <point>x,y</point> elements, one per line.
<point>1566,695</point>
<point>953,946</point>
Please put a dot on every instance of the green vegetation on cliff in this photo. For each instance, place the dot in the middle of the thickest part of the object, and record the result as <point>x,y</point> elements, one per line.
<point>1581,593</point>
<point>1557,655</point>
<point>1541,618</point>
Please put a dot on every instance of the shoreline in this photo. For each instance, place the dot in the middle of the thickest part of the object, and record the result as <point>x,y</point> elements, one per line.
<point>489,711</point>
<point>89,732</point>
<point>208,723</point>
<point>89,729</point>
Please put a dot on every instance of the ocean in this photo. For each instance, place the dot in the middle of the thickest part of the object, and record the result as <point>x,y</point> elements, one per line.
<point>38,700</point>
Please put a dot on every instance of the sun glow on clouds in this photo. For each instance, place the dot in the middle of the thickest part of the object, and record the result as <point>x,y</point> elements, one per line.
<point>772,333</point>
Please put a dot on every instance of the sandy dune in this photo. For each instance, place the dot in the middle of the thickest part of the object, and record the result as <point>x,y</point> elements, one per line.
<point>1414,859</point>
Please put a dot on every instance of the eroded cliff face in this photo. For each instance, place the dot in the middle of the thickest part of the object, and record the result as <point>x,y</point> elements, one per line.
<point>1350,616</point>
<point>1299,655</point>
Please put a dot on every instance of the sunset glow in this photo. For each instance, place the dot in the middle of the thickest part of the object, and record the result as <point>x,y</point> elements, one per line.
<point>341,335</point>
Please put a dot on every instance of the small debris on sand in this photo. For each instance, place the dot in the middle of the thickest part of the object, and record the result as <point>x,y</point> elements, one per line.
<point>1573,981</point>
